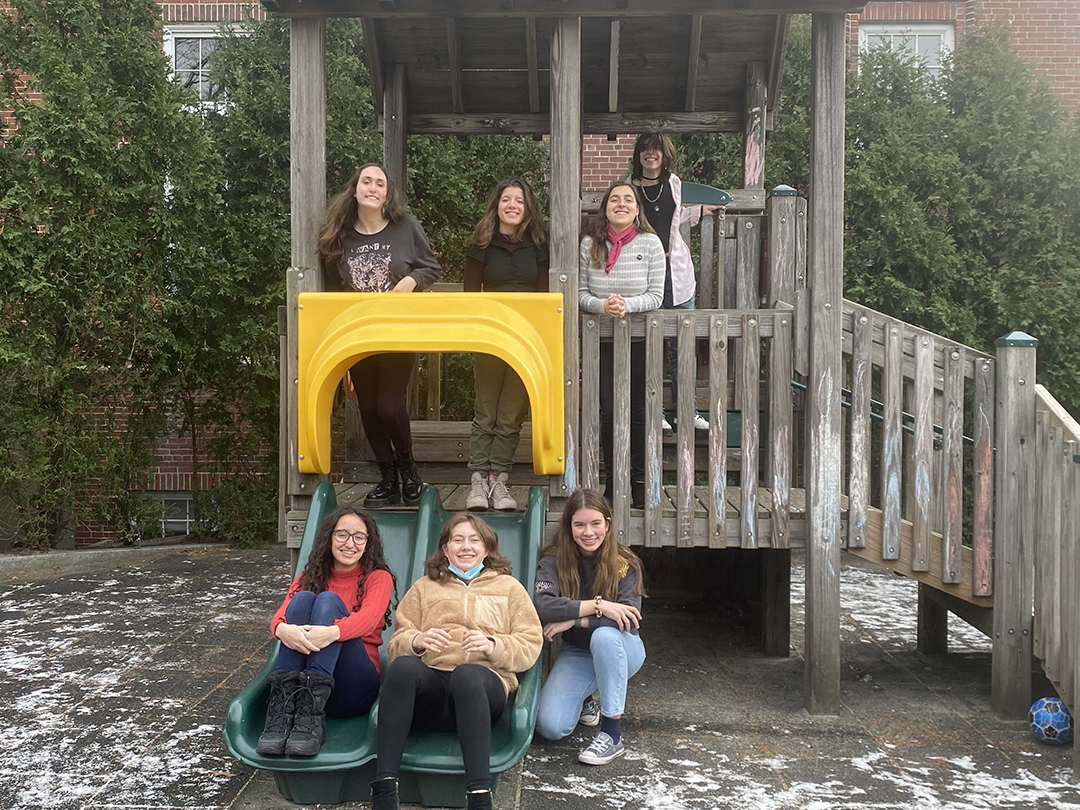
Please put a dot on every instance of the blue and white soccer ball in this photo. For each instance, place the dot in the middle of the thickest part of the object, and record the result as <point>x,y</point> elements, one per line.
<point>1050,721</point>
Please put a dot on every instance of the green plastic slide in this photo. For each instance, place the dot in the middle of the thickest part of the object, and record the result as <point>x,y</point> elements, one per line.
<point>432,772</point>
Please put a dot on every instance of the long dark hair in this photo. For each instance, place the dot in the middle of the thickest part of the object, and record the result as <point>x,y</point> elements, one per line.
<point>531,223</point>
<point>597,227</point>
<point>612,559</point>
<point>653,140</point>
<point>321,559</point>
<point>342,211</point>
<point>438,566</point>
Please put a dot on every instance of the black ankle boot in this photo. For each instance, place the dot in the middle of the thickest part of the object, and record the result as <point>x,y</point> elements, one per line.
<point>384,794</point>
<point>309,724</point>
<point>411,485</point>
<point>280,707</point>
<point>385,492</point>
<point>478,800</point>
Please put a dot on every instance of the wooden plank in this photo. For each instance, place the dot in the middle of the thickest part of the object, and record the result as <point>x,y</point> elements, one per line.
<point>565,220</point>
<point>781,253</point>
<point>613,68</point>
<point>684,478</point>
<point>693,56</point>
<point>533,65</point>
<point>706,288</point>
<point>892,441</point>
<point>718,408</point>
<point>545,8</point>
<point>671,122</point>
<point>654,434</point>
<point>802,297</point>
<point>921,482</point>
<point>1010,691</point>
<point>982,479</point>
<point>1066,621</point>
<point>748,239</point>
<point>952,455</point>
<point>859,485</point>
<point>825,281</point>
<point>1046,641</point>
<point>754,127</point>
<point>373,59</point>
<point>750,374</point>
<point>622,381</point>
<point>781,416</point>
<point>453,47</point>
<point>590,393</point>
<point>776,603</point>
<point>394,142</point>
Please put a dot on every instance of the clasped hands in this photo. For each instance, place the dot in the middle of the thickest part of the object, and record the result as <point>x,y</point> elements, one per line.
<point>437,639</point>
<point>615,305</point>
<point>307,638</point>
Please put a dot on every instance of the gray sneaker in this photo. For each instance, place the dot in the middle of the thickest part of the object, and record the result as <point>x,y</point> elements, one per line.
<point>501,499</point>
<point>478,494</point>
<point>601,750</point>
<point>590,712</point>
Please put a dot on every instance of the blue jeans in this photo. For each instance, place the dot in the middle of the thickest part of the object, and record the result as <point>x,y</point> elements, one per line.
<point>612,659</point>
<point>674,345</point>
<point>356,681</point>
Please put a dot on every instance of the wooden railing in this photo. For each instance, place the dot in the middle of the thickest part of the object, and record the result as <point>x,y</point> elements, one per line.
<point>1057,546</point>
<point>919,460</point>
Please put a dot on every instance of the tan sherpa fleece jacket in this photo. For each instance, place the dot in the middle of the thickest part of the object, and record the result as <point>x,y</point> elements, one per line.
<point>496,604</point>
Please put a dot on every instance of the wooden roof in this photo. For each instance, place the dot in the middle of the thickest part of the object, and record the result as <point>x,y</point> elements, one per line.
<point>483,66</point>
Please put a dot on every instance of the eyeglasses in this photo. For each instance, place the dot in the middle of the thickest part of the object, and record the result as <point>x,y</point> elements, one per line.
<point>342,536</point>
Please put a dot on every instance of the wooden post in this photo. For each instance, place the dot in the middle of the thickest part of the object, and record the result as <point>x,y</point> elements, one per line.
<point>754,145</point>
<point>394,128</point>
<point>565,224</point>
<point>307,94</point>
<point>1014,520</point>
<point>826,276</point>
<point>933,624</point>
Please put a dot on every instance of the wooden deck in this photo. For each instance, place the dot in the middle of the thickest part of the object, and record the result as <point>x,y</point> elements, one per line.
<point>454,495</point>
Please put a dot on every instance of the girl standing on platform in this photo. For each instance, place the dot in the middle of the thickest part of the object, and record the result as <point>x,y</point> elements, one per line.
<point>508,253</point>
<point>369,243</point>
<point>589,588</point>
<point>661,190</point>
<point>621,271</point>
<point>462,633</point>
<point>330,628</point>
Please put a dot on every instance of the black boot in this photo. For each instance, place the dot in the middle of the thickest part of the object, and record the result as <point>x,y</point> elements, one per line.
<point>411,485</point>
<point>385,492</point>
<point>280,706</point>
<point>384,795</point>
<point>637,495</point>
<point>478,800</point>
<point>309,723</point>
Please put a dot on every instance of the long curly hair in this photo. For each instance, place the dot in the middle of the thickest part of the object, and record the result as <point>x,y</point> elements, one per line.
<point>320,562</point>
<point>532,222</point>
<point>342,211</point>
<point>613,560</point>
<point>653,140</point>
<point>438,566</point>
<point>597,227</point>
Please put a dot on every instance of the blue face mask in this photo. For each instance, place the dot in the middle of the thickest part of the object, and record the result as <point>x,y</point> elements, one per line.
<point>466,575</point>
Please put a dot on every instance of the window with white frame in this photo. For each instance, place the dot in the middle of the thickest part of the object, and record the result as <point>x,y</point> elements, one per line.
<point>928,42</point>
<point>175,513</point>
<point>188,48</point>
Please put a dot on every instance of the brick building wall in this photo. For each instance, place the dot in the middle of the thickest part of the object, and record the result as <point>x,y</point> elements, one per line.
<point>210,11</point>
<point>1046,32</point>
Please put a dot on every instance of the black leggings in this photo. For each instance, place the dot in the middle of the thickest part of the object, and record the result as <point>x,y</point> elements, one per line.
<point>637,411</point>
<point>381,382</point>
<point>470,700</point>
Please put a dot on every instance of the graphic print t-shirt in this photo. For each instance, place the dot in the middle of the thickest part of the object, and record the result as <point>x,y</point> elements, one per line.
<point>376,262</point>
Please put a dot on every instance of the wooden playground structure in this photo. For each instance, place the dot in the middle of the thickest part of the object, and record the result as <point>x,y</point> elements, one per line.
<point>833,428</point>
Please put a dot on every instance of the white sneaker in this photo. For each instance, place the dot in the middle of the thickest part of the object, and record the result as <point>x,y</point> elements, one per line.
<point>478,494</point>
<point>501,499</point>
<point>601,750</point>
<point>665,425</point>
<point>700,422</point>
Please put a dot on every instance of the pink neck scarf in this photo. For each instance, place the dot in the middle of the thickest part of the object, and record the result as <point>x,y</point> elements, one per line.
<point>617,242</point>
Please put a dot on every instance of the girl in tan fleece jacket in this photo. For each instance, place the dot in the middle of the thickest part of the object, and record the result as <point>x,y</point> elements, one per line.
<point>462,633</point>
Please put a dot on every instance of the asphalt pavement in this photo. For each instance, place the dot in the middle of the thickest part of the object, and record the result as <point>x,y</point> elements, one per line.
<point>118,667</point>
